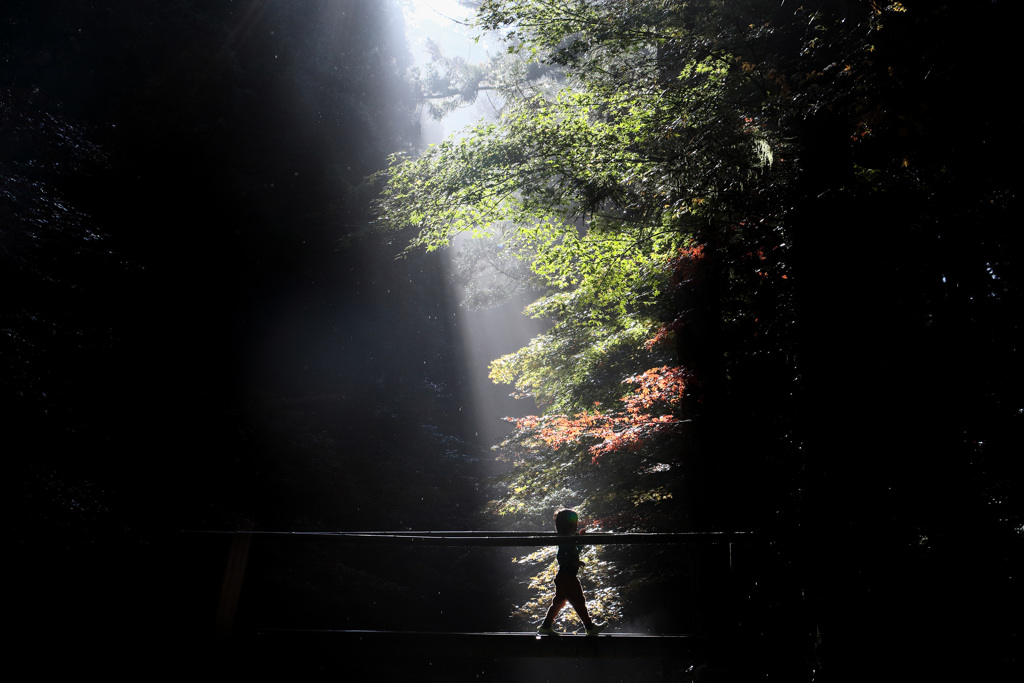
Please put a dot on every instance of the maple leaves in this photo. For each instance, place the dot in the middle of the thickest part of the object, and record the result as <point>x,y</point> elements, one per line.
<point>650,410</point>
<point>653,408</point>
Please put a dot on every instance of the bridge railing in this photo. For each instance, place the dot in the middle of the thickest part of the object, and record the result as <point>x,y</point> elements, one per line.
<point>235,568</point>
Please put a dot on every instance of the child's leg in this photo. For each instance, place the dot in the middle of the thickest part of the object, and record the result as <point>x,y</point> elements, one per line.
<point>570,589</point>
<point>557,603</point>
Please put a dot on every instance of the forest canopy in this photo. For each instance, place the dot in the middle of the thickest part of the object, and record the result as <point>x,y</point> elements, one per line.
<point>752,243</point>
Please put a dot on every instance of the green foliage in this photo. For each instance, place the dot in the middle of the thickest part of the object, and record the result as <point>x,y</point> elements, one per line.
<point>597,333</point>
<point>489,271</point>
<point>647,147</point>
<point>448,83</point>
<point>652,197</point>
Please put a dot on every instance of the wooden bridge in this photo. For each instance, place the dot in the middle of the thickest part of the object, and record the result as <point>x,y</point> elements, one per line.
<point>498,656</point>
<point>487,645</point>
<point>661,656</point>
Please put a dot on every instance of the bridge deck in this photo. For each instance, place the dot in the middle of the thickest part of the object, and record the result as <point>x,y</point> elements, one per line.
<point>488,645</point>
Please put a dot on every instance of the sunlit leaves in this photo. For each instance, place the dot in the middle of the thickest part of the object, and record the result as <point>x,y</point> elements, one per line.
<point>631,185</point>
<point>644,414</point>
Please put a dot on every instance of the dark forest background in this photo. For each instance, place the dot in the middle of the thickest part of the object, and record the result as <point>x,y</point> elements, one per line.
<point>196,337</point>
<point>195,334</point>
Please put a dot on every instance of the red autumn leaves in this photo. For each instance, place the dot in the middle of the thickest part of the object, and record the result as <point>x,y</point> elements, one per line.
<point>648,411</point>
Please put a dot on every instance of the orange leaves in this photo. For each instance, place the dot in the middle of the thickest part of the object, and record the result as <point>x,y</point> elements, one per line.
<point>650,410</point>
<point>684,268</point>
<point>664,333</point>
<point>694,253</point>
<point>763,267</point>
<point>683,265</point>
<point>658,385</point>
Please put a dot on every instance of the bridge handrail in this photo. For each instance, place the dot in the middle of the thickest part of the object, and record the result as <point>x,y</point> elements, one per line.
<point>509,538</point>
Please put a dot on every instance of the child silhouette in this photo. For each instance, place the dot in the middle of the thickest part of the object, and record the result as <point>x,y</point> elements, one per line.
<point>567,585</point>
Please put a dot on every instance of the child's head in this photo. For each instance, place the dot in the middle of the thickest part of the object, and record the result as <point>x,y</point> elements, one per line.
<point>566,521</point>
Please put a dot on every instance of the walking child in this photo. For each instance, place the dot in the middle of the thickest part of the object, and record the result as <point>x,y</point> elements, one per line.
<point>567,586</point>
